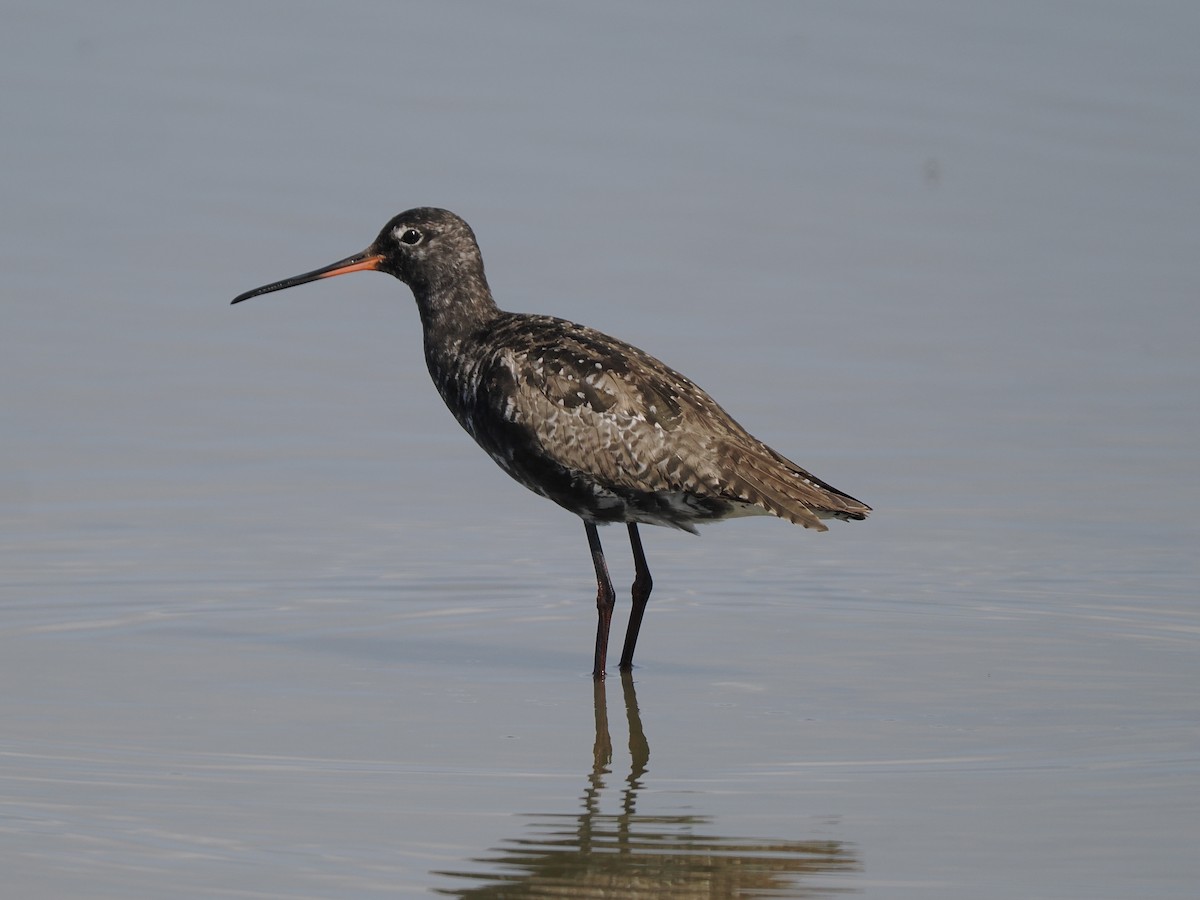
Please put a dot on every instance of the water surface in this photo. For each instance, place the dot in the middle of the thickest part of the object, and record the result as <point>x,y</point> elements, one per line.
<point>270,624</point>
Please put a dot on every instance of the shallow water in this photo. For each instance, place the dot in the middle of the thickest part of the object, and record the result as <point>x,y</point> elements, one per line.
<point>270,624</point>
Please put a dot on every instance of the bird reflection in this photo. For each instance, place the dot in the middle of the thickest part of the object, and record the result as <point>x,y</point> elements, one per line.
<point>632,855</point>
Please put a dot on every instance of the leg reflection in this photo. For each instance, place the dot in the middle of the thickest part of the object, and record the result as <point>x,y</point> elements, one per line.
<point>631,854</point>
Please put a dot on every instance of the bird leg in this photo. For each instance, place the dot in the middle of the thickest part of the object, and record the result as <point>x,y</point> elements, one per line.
<point>642,585</point>
<point>606,599</point>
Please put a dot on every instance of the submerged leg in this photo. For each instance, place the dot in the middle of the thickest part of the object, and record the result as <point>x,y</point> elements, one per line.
<point>642,584</point>
<point>606,599</point>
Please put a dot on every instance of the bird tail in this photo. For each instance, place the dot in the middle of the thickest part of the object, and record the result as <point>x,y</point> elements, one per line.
<point>782,488</point>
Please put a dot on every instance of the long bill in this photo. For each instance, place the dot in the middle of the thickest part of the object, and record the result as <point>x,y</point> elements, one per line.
<point>367,261</point>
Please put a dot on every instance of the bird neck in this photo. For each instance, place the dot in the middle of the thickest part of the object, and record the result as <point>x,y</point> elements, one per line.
<point>459,303</point>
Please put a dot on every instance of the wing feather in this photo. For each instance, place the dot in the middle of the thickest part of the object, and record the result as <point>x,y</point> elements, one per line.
<point>620,417</point>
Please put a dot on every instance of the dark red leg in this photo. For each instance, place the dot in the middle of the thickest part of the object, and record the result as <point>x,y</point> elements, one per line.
<point>642,585</point>
<point>606,599</point>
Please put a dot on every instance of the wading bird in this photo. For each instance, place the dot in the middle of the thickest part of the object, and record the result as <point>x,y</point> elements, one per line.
<point>598,426</point>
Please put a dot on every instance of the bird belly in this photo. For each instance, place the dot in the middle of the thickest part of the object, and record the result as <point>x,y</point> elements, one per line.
<point>683,510</point>
<point>594,501</point>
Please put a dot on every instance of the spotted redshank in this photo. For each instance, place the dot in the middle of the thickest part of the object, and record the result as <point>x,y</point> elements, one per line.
<point>598,426</point>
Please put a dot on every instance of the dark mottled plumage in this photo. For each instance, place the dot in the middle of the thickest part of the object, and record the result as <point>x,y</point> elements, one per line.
<point>598,426</point>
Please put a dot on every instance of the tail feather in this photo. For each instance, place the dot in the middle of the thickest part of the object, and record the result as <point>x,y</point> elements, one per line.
<point>788,491</point>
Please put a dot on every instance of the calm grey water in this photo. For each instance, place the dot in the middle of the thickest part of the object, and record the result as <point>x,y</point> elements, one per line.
<point>272,627</point>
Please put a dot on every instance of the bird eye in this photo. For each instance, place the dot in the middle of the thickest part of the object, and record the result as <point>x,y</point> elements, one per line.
<point>409,236</point>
